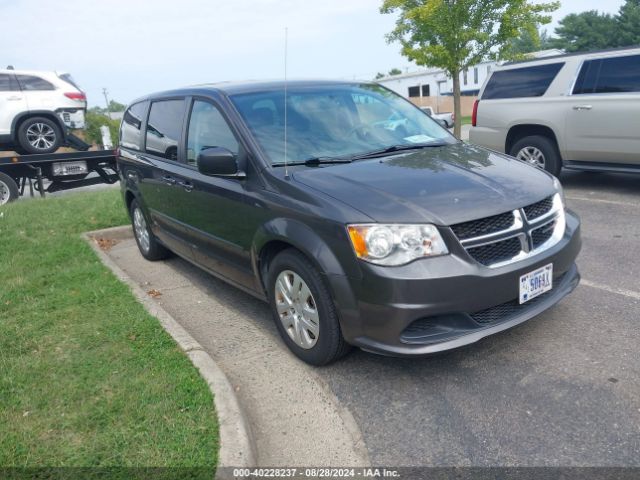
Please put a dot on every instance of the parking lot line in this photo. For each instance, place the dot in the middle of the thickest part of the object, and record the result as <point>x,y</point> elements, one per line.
<point>607,288</point>
<point>600,200</point>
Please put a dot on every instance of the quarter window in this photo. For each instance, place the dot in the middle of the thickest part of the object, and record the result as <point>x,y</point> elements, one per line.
<point>131,125</point>
<point>521,82</point>
<point>32,83</point>
<point>609,75</point>
<point>164,127</point>
<point>208,128</point>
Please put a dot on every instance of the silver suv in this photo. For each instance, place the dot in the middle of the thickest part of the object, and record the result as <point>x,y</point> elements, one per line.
<point>578,111</point>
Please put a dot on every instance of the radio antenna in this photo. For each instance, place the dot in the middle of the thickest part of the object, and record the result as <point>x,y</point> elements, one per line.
<point>286,37</point>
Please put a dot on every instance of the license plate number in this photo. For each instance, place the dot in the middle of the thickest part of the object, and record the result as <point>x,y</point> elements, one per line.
<point>536,283</point>
<point>60,169</point>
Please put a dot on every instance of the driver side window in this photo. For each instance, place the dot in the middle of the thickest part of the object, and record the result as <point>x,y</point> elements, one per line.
<point>207,128</point>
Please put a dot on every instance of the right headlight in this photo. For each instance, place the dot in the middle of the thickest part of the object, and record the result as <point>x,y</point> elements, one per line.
<point>395,244</point>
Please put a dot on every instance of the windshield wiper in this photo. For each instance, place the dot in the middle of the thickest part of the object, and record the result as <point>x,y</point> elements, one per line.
<point>396,148</point>
<point>316,161</point>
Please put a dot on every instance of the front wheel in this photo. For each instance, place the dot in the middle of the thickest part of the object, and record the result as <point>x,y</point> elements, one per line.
<point>8,189</point>
<point>538,151</point>
<point>303,310</point>
<point>149,247</point>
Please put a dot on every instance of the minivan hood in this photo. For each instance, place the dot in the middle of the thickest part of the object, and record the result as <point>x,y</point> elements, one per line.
<point>441,185</point>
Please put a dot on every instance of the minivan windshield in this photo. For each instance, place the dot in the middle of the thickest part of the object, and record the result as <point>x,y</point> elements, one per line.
<point>335,122</point>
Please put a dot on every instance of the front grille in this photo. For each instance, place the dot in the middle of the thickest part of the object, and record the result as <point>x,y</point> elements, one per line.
<point>510,309</point>
<point>496,252</point>
<point>542,234</point>
<point>484,226</point>
<point>500,238</point>
<point>538,209</point>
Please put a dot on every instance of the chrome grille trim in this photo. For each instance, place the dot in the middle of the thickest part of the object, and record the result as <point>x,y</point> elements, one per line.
<point>523,228</point>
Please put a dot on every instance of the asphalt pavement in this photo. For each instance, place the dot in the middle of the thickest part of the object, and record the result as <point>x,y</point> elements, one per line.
<point>562,389</point>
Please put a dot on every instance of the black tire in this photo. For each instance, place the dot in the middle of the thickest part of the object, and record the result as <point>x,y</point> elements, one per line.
<point>154,251</point>
<point>50,141</point>
<point>8,189</point>
<point>552,160</point>
<point>330,344</point>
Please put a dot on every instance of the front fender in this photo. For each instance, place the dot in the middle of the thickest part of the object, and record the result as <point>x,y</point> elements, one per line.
<point>338,272</point>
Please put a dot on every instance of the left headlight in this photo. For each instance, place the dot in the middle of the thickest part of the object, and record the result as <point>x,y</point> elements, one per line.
<point>558,186</point>
<point>394,245</point>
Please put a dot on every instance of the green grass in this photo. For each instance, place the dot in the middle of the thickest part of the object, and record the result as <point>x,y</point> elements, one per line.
<point>87,377</point>
<point>466,120</point>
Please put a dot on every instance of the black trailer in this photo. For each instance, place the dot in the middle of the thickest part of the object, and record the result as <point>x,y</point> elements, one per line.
<point>62,171</point>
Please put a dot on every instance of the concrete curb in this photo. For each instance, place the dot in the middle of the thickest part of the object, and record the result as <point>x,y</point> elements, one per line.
<point>237,447</point>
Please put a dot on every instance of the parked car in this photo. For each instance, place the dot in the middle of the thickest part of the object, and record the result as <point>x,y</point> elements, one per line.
<point>37,108</point>
<point>578,111</point>
<point>399,241</point>
<point>447,117</point>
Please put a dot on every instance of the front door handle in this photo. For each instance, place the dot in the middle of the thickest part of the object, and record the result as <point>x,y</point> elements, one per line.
<point>14,98</point>
<point>169,180</point>
<point>188,186</point>
<point>583,107</point>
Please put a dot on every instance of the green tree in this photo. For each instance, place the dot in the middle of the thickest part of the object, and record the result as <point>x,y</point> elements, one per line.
<point>530,41</point>
<point>457,34</point>
<point>628,20</point>
<point>116,106</point>
<point>586,31</point>
<point>395,71</point>
<point>379,75</point>
<point>94,120</point>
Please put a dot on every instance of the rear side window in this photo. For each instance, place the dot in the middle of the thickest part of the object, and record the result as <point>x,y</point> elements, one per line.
<point>164,127</point>
<point>69,79</point>
<point>6,84</point>
<point>131,125</point>
<point>33,83</point>
<point>521,82</point>
<point>609,75</point>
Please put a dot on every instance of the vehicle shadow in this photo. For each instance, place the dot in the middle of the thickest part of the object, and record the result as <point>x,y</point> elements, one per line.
<point>618,183</point>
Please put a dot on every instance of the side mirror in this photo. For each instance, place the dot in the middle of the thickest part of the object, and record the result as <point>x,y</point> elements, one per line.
<point>218,161</point>
<point>441,122</point>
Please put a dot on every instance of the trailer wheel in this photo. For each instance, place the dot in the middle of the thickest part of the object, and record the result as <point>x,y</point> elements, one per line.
<point>8,189</point>
<point>39,135</point>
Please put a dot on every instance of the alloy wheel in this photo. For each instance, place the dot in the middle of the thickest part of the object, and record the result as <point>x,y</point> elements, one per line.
<point>140,229</point>
<point>533,156</point>
<point>41,136</point>
<point>297,309</point>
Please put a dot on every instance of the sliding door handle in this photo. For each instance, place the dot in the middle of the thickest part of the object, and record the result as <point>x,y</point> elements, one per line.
<point>169,180</point>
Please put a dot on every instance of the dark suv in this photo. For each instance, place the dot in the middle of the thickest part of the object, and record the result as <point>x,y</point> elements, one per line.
<point>357,217</point>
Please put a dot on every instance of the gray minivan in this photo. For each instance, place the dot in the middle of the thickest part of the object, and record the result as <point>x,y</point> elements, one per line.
<point>356,216</point>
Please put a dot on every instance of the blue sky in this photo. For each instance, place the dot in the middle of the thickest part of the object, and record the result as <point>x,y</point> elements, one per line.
<point>136,47</point>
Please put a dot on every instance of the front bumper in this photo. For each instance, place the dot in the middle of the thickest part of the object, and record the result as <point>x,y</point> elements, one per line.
<point>443,303</point>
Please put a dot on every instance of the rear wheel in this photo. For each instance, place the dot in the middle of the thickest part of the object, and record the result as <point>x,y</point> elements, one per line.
<point>8,189</point>
<point>303,310</point>
<point>538,151</point>
<point>39,135</point>
<point>148,245</point>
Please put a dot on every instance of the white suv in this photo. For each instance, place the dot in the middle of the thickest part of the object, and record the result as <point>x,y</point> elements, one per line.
<point>578,111</point>
<point>37,108</point>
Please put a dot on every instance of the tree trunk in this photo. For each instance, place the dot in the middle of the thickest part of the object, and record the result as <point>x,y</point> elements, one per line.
<point>457,110</point>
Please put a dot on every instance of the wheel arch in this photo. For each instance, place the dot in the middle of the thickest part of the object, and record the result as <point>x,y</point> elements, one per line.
<point>279,234</point>
<point>21,117</point>
<point>518,132</point>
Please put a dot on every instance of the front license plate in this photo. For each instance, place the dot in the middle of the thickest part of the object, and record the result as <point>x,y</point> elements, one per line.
<point>536,283</point>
